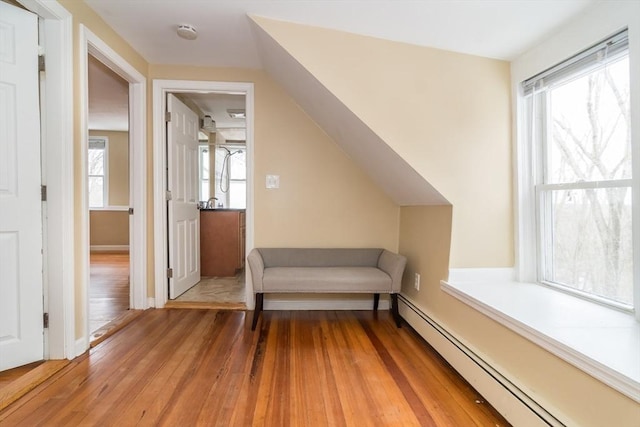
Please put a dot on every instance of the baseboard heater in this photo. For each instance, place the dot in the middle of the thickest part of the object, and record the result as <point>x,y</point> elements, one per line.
<point>508,399</point>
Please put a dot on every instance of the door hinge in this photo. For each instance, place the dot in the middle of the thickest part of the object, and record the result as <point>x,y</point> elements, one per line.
<point>168,194</point>
<point>130,211</point>
<point>43,193</point>
<point>167,116</point>
<point>40,63</point>
<point>45,320</point>
<point>169,273</point>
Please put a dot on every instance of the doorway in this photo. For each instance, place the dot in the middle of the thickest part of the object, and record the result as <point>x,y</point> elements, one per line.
<point>108,168</point>
<point>200,91</point>
<point>222,191</point>
<point>134,207</point>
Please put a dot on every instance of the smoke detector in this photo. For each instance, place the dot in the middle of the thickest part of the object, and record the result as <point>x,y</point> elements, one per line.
<point>187,32</point>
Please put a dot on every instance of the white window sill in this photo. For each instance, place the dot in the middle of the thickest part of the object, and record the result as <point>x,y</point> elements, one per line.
<point>601,341</point>
<point>110,208</point>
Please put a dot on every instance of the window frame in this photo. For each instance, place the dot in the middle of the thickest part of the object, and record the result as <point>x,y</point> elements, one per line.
<point>201,148</point>
<point>532,189</point>
<point>225,196</point>
<point>105,175</point>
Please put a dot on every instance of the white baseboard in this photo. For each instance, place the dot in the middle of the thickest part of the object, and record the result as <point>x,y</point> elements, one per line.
<point>151,302</point>
<point>109,248</point>
<point>273,302</point>
<point>518,408</point>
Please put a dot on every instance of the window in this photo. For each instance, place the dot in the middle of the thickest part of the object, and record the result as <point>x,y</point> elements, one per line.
<point>579,127</point>
<point>203,174</point>
<point>231,176</point>
<point>98,177</point>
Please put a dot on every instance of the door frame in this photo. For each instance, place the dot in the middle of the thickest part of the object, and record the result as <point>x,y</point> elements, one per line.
<point>58,175</point>
<point>92,44</point>
<point>160,90</point>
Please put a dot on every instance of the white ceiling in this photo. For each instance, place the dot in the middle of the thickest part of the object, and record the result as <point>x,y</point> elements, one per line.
<point>492,28</point>
<point>500,29</point>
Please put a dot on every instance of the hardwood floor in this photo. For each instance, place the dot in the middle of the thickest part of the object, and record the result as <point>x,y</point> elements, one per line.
<point>108,287</point>
<point>304,368</point>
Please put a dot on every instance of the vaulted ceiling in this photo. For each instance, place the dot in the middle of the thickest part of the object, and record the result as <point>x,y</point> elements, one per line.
<point>501,29</point>
<point>230,34</point>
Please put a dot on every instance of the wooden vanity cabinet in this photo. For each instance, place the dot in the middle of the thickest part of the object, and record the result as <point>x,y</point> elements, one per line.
<point>222,242</point>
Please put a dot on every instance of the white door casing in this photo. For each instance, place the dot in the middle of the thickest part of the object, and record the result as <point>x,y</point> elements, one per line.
<point>21,293</point>
<point>184,216</point>
<point>93,45</point>
<point>160,248</point>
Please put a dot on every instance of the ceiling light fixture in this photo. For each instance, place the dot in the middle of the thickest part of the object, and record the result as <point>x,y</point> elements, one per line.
<point>237,114</point>
<point>208,124</point>
<point>187,32</point>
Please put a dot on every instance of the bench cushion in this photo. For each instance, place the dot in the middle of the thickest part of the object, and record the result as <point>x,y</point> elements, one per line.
<point>320,257</point>
<point>326,279</point>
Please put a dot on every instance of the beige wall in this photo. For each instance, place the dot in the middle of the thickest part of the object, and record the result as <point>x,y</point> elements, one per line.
<point>118,155</point>
<point>83,14</point>
<point>455,118</point>
<point>109,228</point>
<point>563,389</point>
<point>323,199</point>
<point>446,114</point>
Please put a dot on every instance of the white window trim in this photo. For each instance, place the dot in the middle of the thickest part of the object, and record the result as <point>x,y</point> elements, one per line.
<point>105,187</point>
<point>227,194</point>
<point>532,144</point>
<point>603,342</point>
<point>201,147</point>
<point>527,209</point>
<point>486,290</point>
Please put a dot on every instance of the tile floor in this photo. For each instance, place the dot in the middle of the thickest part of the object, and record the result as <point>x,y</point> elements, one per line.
<point>217,289</point>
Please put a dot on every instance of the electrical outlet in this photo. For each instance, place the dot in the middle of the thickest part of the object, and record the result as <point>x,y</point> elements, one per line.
<point>416,283</point>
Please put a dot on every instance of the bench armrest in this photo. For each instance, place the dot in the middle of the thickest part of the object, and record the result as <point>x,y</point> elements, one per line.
<point>393,264</point>
<point>257,269</point>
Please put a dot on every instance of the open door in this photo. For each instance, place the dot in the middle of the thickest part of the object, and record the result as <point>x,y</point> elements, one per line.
<point>182,185</point>
<point>21,305</point>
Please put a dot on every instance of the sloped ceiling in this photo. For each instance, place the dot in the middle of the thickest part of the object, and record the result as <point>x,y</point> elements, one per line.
<point>108,98</point>
<point>384,166</point>
<point>490,28</point>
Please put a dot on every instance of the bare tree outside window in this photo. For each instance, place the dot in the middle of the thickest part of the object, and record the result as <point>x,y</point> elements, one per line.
<point>97,167</point>
<point>588,156</point>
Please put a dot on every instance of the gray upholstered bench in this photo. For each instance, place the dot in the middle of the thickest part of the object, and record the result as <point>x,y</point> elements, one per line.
<point>326,270</point>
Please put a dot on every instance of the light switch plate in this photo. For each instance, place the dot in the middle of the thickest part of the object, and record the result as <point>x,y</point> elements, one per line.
<point>273,181</point>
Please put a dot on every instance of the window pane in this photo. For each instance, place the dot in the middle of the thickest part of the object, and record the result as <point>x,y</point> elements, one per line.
<point>589,123</point>
<point>96,192</point>
<point>238,165</point>
<point>204,163</point>
<point>238,194</point>
<point>591,242</point>
<point>96,162</point>
<point>204,191</point>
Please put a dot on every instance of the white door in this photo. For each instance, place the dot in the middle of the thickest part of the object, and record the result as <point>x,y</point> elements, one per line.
<point>184,217</point>
<point>21,307</point>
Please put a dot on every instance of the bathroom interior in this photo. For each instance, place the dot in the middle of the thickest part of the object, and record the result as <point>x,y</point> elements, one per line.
<point>222,189</point>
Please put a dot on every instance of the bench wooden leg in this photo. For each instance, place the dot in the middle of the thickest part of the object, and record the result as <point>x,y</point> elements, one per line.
<point>376,299</point>
<point>394,309</point>
<point>256,313</point>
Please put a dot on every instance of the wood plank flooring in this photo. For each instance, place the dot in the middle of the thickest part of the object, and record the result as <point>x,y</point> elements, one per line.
<point>17,382</point>
<point>108,287</point>
<point>178,367</point>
